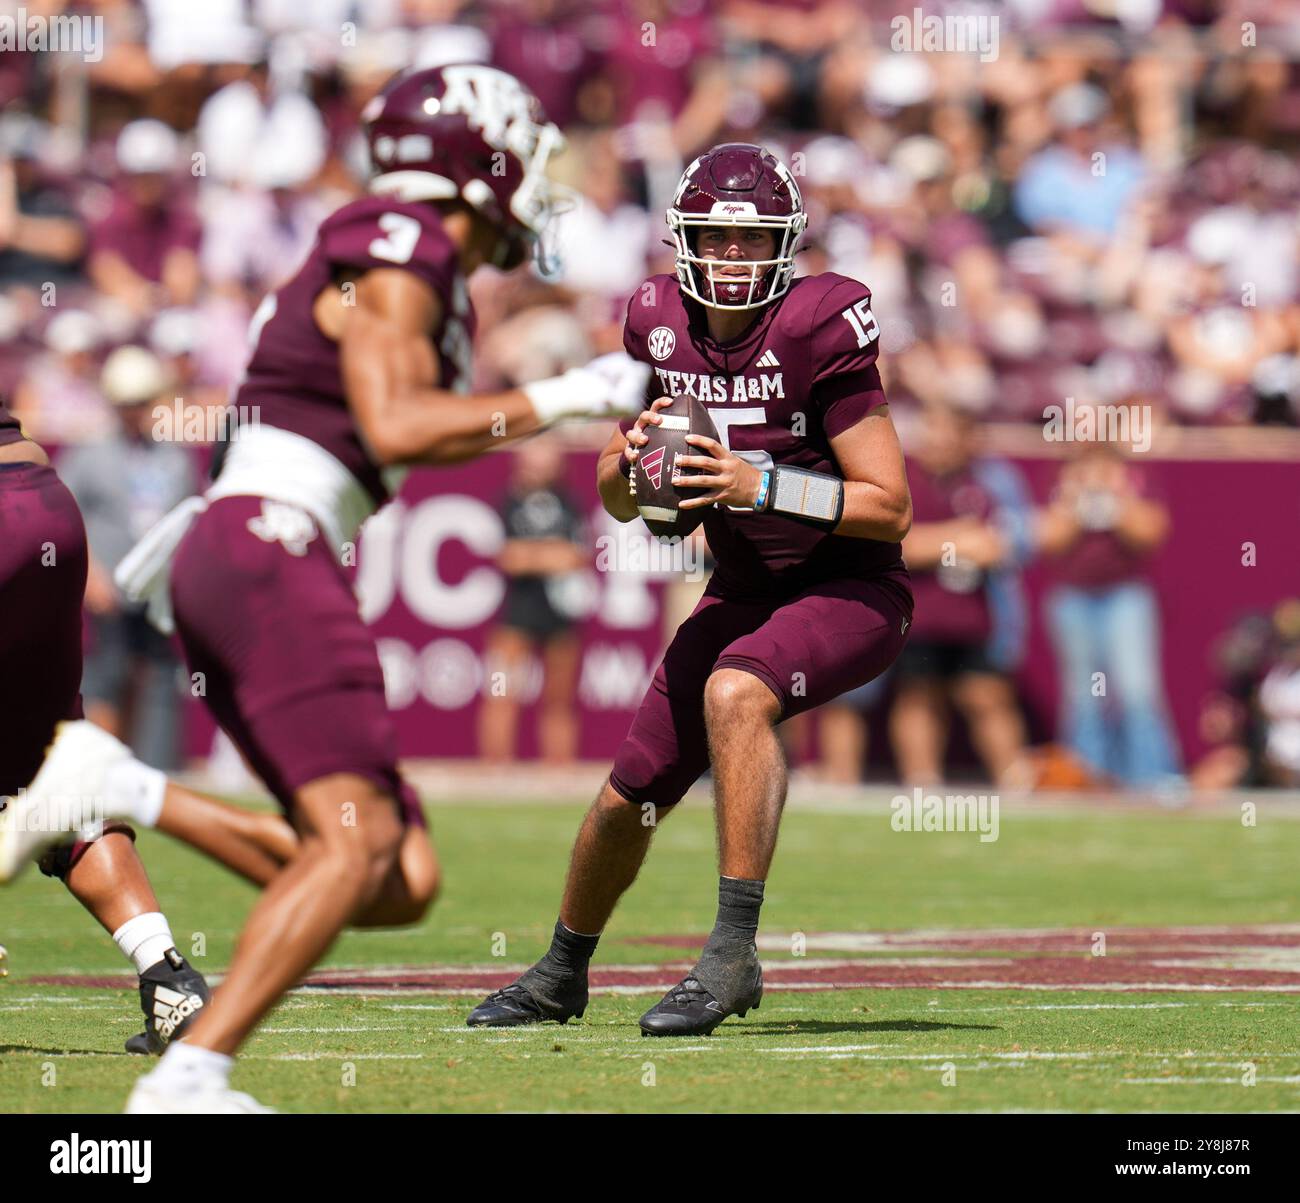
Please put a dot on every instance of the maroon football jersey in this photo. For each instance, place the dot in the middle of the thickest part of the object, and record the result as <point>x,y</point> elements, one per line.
<point>10,431</point>
<point>294,375</point>
<point>951,599</point>
<point>801,374</point>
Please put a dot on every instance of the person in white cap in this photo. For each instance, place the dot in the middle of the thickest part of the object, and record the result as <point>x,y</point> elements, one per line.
<point>123,484</point>
<point>58,398</point>
<point>145,251</point>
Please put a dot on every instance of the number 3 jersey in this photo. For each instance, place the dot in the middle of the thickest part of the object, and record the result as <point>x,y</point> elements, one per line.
<point>294,378</point>
<point>801,374</point>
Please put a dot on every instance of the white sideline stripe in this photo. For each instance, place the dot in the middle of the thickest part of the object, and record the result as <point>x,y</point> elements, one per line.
<point>73,1002</point>
<point>435,1007</point>
<point>1239,1062</point>
<point>843,1049</point>
<point>382,1027</point>
<point>966,1069</point>
<point>1187,1058</point>
<point>1089,987</point>
<point>933,1010</point>
<point>650,987</point>
<point>588,1032</point>
<point>336,1057</point>
<point>32,1006</point>
<point>831,940</point>
<point>662,967</point>
<point>1290,1080</point>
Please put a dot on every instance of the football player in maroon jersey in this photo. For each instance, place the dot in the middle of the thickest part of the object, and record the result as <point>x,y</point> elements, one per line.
<point>360,369</point>
<point>806,502</point>
<point>42,580</point>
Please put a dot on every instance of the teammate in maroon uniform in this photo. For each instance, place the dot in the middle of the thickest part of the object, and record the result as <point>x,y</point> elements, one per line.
<point>42,580</point>
<point>806,504</point>
<point>360,368</point>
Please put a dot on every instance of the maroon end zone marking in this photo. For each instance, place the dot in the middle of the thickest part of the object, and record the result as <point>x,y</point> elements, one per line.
<point>1137,959</point>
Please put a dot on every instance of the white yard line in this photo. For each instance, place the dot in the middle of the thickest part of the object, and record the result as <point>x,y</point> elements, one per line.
<point>1291,1080</point>
<point>383,1027</point>
<point>419,1007</point>
<point>931,1009</point>
<point>338,1056</point>
<point>651,987</point>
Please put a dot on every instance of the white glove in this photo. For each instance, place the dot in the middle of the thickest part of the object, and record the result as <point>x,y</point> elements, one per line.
<point>610,386</point>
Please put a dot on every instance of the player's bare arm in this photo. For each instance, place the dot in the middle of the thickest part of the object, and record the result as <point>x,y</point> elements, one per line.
<point>23,452</point>
<point>877,504</point>
<point>390,372</point>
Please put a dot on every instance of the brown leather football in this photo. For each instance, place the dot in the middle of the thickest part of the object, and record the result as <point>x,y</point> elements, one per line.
<point>657,497</point>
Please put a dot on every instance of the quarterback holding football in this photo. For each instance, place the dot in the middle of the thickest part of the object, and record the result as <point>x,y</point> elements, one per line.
<point>803,495</point>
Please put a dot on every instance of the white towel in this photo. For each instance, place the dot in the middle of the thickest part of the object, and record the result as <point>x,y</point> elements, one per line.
<point>144,573</point>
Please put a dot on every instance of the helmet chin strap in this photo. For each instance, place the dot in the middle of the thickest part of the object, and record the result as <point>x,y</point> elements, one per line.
<point>513,251</point>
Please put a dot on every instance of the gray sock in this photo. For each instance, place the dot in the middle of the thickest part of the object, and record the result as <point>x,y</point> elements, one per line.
<point>739,901</point>
<point>728,967</point>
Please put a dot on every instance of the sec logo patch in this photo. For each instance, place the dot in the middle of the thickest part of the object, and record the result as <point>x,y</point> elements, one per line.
<point>661,342</point>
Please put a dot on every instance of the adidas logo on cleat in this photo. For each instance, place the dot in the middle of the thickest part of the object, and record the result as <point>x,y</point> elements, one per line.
<point>171,1008</point>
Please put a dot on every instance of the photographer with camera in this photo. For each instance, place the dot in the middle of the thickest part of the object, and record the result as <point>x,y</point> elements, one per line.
<point>1100,531</point>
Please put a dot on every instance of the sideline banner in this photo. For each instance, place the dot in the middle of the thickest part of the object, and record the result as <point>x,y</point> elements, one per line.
<point>429,586</point>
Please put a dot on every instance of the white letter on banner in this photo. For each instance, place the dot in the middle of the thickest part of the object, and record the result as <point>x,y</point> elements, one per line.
<point>475,598</point>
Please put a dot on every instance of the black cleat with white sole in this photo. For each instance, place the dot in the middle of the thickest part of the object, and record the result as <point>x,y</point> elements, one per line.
<point>689,1009</point>
<point>172,993</point>
<point>517,1004</point>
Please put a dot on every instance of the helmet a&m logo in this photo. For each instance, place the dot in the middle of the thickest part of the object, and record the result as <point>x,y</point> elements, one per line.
<point>661,342</point>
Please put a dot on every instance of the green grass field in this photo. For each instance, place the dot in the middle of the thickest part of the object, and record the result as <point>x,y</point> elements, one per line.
<point>933,1043</point>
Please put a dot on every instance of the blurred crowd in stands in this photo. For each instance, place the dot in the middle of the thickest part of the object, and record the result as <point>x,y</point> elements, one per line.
<point>1107,209</point>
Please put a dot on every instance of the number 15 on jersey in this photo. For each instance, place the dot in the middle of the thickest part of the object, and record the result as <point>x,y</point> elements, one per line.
<point>863,321</point>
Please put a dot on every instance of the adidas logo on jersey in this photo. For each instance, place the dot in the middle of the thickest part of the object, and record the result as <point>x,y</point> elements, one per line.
<point>767,360</point>
<point>171,1008</point>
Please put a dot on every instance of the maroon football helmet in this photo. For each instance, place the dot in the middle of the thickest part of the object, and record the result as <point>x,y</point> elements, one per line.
<point>736,184</point>
<point>471,133</point>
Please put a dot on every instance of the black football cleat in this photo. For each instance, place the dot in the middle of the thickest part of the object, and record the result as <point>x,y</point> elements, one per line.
<point>172,993</point>
<point>688,1009</point>
<point>517,1005</point>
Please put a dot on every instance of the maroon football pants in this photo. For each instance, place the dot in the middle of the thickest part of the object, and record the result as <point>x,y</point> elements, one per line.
<point>270,628</point>
<point>42,581</point>
<point>807,649</point>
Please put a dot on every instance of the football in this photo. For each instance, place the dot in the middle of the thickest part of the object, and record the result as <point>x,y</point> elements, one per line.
<point>657,498</point>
